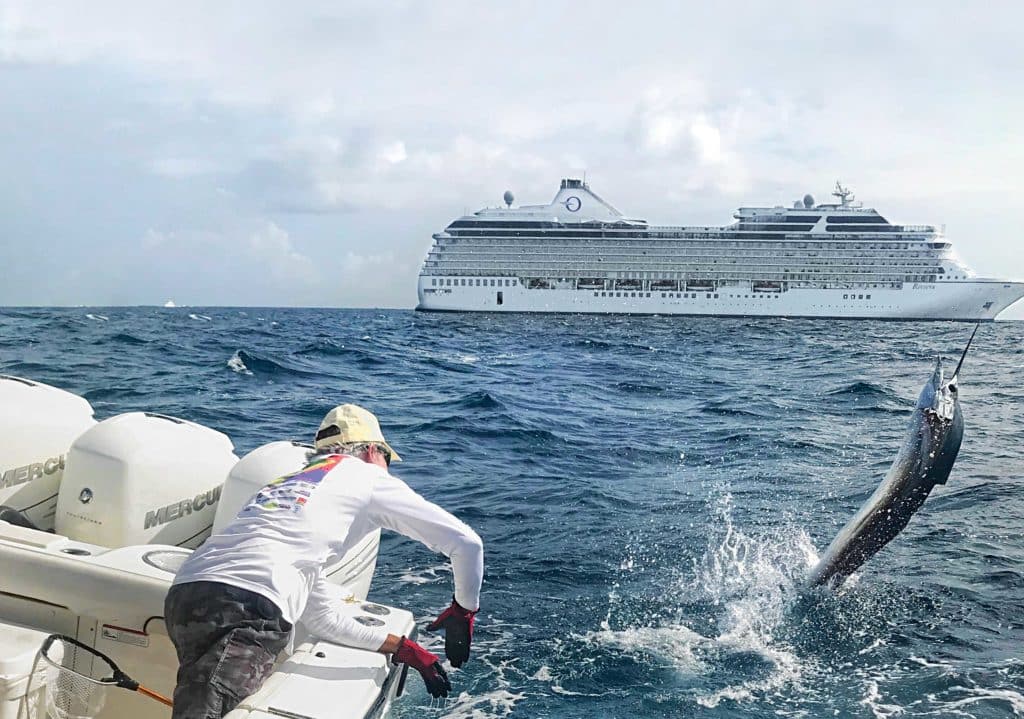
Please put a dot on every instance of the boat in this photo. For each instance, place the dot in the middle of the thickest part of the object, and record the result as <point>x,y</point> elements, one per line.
<point>96,527</point>
<point>578,253</point>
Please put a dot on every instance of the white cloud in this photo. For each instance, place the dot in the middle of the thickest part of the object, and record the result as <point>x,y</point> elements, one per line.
<point>182,167</point>
<point>272,248</point>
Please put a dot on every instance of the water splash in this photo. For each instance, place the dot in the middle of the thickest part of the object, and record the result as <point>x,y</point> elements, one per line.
<point>721,631</point>
<point>238,365</point>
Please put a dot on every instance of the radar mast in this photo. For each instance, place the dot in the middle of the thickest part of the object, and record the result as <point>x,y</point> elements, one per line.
<point>844,194</point>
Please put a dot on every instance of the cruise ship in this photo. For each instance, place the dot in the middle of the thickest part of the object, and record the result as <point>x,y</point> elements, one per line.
<point>580,254</point>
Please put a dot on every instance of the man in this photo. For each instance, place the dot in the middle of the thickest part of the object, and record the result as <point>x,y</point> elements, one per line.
<point>233,604</point>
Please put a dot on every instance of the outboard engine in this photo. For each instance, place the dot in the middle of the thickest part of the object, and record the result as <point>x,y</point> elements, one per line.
<point>255,471</point>
<point>37,425</point>
<point>141,478</point>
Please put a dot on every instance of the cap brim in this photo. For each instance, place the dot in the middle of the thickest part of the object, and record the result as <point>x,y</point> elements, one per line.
<point>394,454</point>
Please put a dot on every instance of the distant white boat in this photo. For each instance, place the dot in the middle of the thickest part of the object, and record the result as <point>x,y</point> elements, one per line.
<point>170,303</point>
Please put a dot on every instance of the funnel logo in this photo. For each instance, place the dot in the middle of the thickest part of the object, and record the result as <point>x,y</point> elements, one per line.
<point>573,204</point>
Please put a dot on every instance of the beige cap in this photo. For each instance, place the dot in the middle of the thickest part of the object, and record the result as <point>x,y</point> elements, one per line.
<point>350,423</point>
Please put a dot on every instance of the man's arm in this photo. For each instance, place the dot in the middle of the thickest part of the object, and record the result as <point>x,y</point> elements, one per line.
<point>322,618</point>
<point>396,506</point>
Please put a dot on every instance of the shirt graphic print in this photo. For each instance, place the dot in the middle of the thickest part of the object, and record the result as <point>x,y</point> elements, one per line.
<point>292,491</point>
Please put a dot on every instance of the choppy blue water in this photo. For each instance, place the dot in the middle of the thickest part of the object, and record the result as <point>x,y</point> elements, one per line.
<point>650,492</point>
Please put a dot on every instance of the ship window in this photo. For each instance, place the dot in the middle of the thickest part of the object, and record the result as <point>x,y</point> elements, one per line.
<point>433,282</point>
<point>986,305</point>
<point>501,298</point>
<point>709,296</point>
<point>648,294</point>
<point>860,297</point>
<point>867,297</point>
<point>716,296</point>
<point>515,282</point>
<point>478,283</point>
<point>595,294</point>
<point>846,296</point>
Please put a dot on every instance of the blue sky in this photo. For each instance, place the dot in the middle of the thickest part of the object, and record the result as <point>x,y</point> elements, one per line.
<point>302,154</point>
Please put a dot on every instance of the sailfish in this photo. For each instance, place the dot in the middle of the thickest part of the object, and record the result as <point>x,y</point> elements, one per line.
<point>929,450</point>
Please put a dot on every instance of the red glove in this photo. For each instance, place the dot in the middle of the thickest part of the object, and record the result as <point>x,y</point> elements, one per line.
<point>427,664</point>
<point>457,623</point>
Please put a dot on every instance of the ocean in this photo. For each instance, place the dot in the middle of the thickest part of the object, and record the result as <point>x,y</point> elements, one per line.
<point>650,490</point>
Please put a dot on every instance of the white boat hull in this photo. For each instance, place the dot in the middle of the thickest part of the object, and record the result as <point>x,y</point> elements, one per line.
<point>976,300</point>
<point>112,599</point>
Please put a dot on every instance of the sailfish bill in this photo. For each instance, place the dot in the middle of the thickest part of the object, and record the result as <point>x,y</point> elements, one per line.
<point>931,446</point>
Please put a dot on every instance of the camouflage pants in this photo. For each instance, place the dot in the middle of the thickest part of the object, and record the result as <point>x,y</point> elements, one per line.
<point>227,639</point>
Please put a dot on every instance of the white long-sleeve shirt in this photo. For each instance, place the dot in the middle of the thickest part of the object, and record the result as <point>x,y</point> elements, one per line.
<point>281,541</point>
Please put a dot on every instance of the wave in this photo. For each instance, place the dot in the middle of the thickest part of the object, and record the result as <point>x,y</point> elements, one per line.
<point>477,400</point>
<point>124,338</point>
<point>114,394</point>
<point>244,362</point>
<point>328,348</point>
<point>199,317</point>
<point>864,389</point>
<point>726,408</point>
<point>451,365</point>
<point>236,364</point>
<point>639,388</point>
<point>98,318</point>
<point>600,344</point>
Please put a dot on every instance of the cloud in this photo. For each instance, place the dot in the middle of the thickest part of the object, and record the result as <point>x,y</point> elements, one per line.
<point>272,248</point>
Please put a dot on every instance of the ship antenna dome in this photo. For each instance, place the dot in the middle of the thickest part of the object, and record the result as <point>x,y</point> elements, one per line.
<point>808,201</point>
<point>509,198</point>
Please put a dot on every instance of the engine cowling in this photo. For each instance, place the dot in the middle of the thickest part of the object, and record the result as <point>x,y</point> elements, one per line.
<point>141,478</point>
<point>38,423</point>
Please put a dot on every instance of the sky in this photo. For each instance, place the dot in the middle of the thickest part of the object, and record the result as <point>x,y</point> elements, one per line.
<point>279,154</point>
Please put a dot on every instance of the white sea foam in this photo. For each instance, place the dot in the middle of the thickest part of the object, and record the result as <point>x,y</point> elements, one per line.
<point>1014,701</point>
<point>201,318</point>
<point>873,646</point>
<point>873,701</point>
<point>97,318</point>
<point>496,703</point>
<point>426,575</point>
<point>237,365</point>
<point>676,644</point>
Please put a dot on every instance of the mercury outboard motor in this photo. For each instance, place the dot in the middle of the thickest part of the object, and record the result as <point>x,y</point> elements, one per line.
<point>38,423</point>
<point>143,478</point>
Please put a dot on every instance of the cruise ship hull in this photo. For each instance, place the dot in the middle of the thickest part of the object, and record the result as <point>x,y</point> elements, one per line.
<point>966,301</point>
